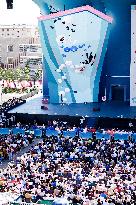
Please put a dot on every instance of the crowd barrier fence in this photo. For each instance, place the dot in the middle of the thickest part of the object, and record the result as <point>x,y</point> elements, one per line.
<point>38,133</point>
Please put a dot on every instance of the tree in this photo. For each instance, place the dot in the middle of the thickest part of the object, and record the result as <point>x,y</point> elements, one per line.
<point>3,74</point>
<point>19,74</point>
<point>36,75</point>
<point>8,74</point>
<point>26,73</point>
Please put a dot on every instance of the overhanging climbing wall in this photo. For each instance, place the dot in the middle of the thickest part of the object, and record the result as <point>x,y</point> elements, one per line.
<point>74,43</point>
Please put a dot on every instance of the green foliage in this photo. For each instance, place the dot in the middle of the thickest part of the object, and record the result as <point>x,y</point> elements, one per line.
<point>2,73</point>
<point>17,90</point>
<point>19,74</point>
<point>37,75</point>
<point>26,73</point>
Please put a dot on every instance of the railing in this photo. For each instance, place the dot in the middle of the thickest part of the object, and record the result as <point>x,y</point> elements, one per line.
<point>28,95</point>
<point>85,135</point>
<point>23,203</point>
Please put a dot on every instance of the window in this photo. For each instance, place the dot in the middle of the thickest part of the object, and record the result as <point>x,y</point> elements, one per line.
<point>0,59</point>
<point>10,48</point>
<point>21,61</point>
<point>31,60</point>
<point>10,60</point>
<point>35,61</point>
<point>33,48</point>
<point>26,47</point>
<point>3,29</point>
<point>10,66</point>
<point>21,48</point>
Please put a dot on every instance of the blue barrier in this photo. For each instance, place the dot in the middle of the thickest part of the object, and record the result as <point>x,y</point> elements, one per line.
<point>134,136</point>
<point>101,135</point>
<point>4,131</point>
<point>18,131</point>
<point>118,136</point>
<point>50,132</point>
<point>69,133</point>
<point>85,135</point>
<point>38,132</point>
<point>50,128</point>
<point>124,136</point>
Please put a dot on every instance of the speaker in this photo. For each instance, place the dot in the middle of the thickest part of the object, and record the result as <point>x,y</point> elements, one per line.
<point>96,109</point>
<point>44,107</point>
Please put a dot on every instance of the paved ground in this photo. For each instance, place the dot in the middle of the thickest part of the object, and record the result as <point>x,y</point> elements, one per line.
<point>18,154</point>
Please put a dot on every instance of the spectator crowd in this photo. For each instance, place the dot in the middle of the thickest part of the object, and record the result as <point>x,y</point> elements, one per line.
<point>10,104</point>
<point>6,121</point>
<point>83,171</point>
<point>13,143</point>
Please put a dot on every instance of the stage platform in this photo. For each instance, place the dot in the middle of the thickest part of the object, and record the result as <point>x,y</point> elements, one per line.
<point>104,109</point>
<point>105,114</point>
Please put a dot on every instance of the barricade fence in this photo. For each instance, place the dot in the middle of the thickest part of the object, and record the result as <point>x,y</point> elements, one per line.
<point>28,95</point>
<point>38,132</point>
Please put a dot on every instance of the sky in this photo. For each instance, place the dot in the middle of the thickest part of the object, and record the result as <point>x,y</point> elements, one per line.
<point>24,12</point>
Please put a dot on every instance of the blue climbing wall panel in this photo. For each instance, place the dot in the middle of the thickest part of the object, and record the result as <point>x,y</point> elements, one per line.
<point>74,47</point>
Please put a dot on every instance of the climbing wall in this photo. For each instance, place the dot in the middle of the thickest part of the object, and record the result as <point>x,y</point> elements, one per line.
<point>74,44</point>
<point>133,58</point>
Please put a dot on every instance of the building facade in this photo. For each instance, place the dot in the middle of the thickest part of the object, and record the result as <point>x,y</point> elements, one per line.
<point>20,46</point>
